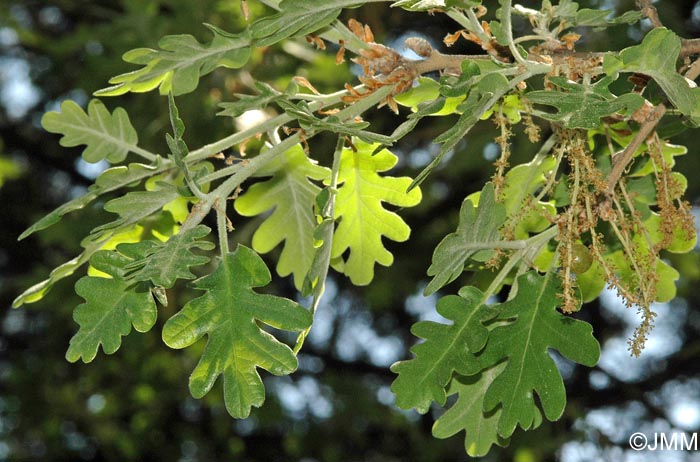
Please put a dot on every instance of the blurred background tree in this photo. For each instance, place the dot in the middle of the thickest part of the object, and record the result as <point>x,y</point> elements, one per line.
<point>134,405</point>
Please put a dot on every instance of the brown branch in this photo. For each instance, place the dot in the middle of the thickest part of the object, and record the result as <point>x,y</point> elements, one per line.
<point>621,160</point>
<point>690,47</point>
<point>441,62</point>
<point>693,70</point>
<point>650,12</point>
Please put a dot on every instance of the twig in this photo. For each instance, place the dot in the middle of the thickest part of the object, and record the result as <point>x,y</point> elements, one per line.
<point>650,12</point>
<point>222,226</point>
<point>690,47</point>
<point>621,160</point>
<point>694,70</point>
<point>508,29</point>
<point>441,62</point>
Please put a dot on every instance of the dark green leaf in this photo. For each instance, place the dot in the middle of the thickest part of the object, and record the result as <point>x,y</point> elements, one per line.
<point>245,103</point>
<point>657,56</point>
<point>298,18</point>
<point>600,18</point>
<point>137,205</point>
<point>582,106</point>
<point>110,180</point>
<point>229,313</point>
<point>309,122</point>
<point>427,5</point>
<point>447,348</point>
<point>467,413</point>
<point>534,327</point>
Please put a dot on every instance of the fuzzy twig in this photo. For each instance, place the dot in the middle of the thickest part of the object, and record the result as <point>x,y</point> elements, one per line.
<point>649,10</point>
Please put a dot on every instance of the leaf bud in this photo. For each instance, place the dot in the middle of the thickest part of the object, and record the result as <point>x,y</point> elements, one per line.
<point>420,46</point>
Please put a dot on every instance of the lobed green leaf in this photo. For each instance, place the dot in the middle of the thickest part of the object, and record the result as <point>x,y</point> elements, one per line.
<point>582,106</point>
<point>106,136</point>
<point>228,314</point>
<point>299,18</point>
<point>179,63</point>
<point>489,89</point>
<point>112,305</point>
<point>363,220</point>
<point>481,428</point>
<point>110,180</point>
<point>135,206</point>
<point>245,103</point>
<point>447,348</point>
<point>534,326</point>
<point>647,59</point>
<point>476,236</point>
<point>163,263</point>
<point>290,195</point>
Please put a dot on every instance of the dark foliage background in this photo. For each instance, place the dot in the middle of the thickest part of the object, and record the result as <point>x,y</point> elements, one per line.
<point>134,405</point>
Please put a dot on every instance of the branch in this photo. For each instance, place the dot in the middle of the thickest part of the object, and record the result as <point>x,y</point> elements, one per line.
<point>621,160</point>
<point>693,70</point>
<point>690,47</point>
<point>441,62</point>
<point>650,12</point>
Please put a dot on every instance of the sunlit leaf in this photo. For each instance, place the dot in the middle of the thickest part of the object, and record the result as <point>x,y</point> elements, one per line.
<point>362,215</point>
<point>520,185</point>
<point>486,93</point>
<point>179,63</point>
<point>290,195</point>
<point>428,89</point>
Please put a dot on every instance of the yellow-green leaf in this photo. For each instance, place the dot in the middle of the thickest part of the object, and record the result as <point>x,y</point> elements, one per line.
<point>290,195</point>
<point>363,220</point>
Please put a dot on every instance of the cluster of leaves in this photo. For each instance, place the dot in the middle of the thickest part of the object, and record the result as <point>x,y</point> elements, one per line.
<point>596,206</point>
